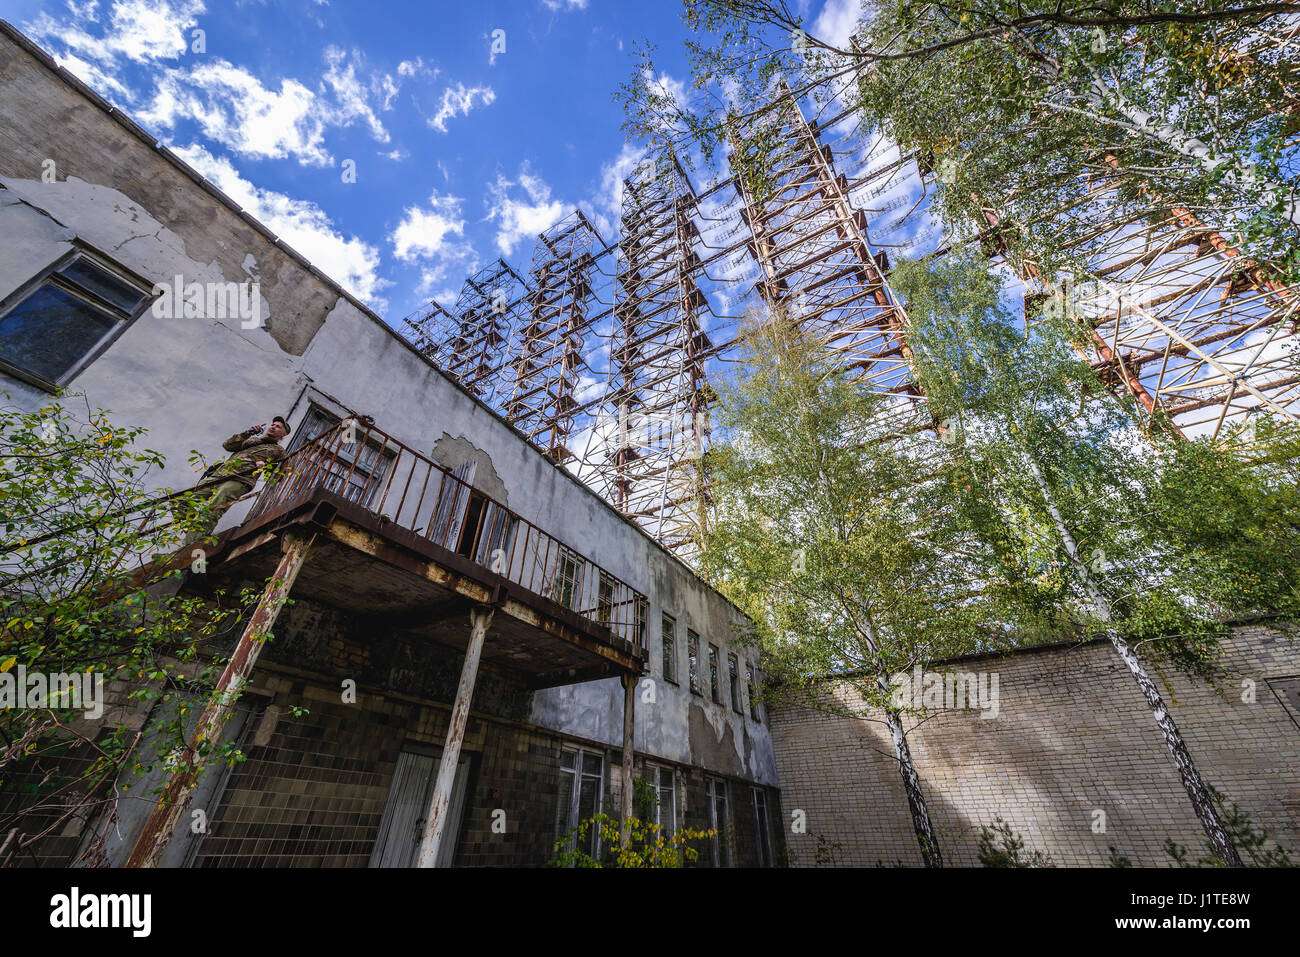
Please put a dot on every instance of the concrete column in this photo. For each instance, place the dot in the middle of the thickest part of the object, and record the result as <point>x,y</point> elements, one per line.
<point>171,807</point>
<point>436,820</point>
<point>629,729</point>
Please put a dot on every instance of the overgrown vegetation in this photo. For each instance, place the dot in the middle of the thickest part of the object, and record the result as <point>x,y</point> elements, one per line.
<point>83,595</point>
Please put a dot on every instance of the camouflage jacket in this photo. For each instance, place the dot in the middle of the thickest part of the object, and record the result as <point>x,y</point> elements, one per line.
<point>249,450</point>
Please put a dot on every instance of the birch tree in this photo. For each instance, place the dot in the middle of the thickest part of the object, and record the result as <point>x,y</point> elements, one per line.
<point>836,538</point>
<point>1090,516</point>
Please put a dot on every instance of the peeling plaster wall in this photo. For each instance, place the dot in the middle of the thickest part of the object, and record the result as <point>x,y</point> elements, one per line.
<point>192,382</point>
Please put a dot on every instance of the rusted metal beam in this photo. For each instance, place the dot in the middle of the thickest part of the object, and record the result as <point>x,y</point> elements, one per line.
<point>158,829</point>
<point>436,821</point>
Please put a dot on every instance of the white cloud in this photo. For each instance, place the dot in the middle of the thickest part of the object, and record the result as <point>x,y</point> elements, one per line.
<point>422,233</point>
<point>417,67</point>
<point>427,235</point>
<point>352,96</point>
<point>233,108</point>
<point>143,31</point>
<point>837,21</point>
<point>557,5</point>
<point>352,263</point>
<point>520,218</point>
<point>460,100</point>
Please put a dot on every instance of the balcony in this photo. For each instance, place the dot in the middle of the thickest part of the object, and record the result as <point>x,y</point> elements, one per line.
<point>411,545</point>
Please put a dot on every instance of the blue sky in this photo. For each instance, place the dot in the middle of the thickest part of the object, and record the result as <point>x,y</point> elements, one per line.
<point>460,155</point>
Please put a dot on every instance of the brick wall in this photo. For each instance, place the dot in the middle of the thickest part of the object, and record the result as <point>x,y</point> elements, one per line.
<point>1073,737</point>
<point>313,787</point>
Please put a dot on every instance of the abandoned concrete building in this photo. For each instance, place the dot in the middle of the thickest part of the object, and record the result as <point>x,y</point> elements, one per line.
<point>402,538</point>
<point>518,646</point>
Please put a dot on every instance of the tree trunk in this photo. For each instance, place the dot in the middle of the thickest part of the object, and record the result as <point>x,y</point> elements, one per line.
<point>930,850</point>
<point>931,853</point>
<point>1192,782</point>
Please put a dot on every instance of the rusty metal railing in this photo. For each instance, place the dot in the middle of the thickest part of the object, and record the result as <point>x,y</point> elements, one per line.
<point>369,467</point>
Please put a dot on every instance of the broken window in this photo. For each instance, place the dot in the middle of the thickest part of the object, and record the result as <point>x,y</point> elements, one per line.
<point>733,681</point>
<point>753,694</point>
<point>605,590</point>
<point>53,330</point>
<point>355,470</point>
<point>670,649</point>
<point>713,675</point>
<point>642,612</point>
<point>568,578</point>
<point>693,659</point>
<point>582,778</point>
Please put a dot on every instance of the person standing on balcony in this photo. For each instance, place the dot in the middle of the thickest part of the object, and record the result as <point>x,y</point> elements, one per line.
<point>255,450</point>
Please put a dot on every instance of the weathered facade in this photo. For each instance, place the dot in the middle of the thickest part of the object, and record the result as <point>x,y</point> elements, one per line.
<point>93,208</point>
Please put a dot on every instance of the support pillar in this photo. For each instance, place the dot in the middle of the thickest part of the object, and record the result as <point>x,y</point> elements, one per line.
<point>171,807</point>
<point>629,729</point>
<point>436,820</point>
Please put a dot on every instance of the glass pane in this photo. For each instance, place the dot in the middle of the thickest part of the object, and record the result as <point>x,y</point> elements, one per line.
<point>566,759</point>
<point>564,809</point>
<point>103,284</point>
<point>591,764</point>
<point>588,801</point>
<point>50,331</point>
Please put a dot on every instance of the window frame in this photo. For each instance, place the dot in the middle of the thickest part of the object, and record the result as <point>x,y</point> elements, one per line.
<point>577,773</point>
<point>567,589</point>
<point>715,678</point>
<point>762,826</point>
<point>722,836</point>
<point>668,647</point>
<point>656,784</point>
<point>733,683</point>
<point>120,325</point>
<point>384,459</point>
<point>693,660</point>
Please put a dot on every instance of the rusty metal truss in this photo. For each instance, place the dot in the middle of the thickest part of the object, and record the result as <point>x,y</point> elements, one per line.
<point>609,348</point>
<point>546,353</point>
<point>648,459</point>
<point>471,343</point>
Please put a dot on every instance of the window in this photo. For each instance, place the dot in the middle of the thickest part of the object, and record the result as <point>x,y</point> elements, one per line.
<point>719,820</point>
<point>713,674</point>
<point>582,779</point>
<point>753,695</point>
<point>605,600</point>
<point>567,576</point>
<point>664,811</point>
<point>670,649</point>
<point>642,612</point>
<point>693,659</point>
<point>362,466</point>
<point>733,682</point>
<point>52,331</point>
<point>762,836</point>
